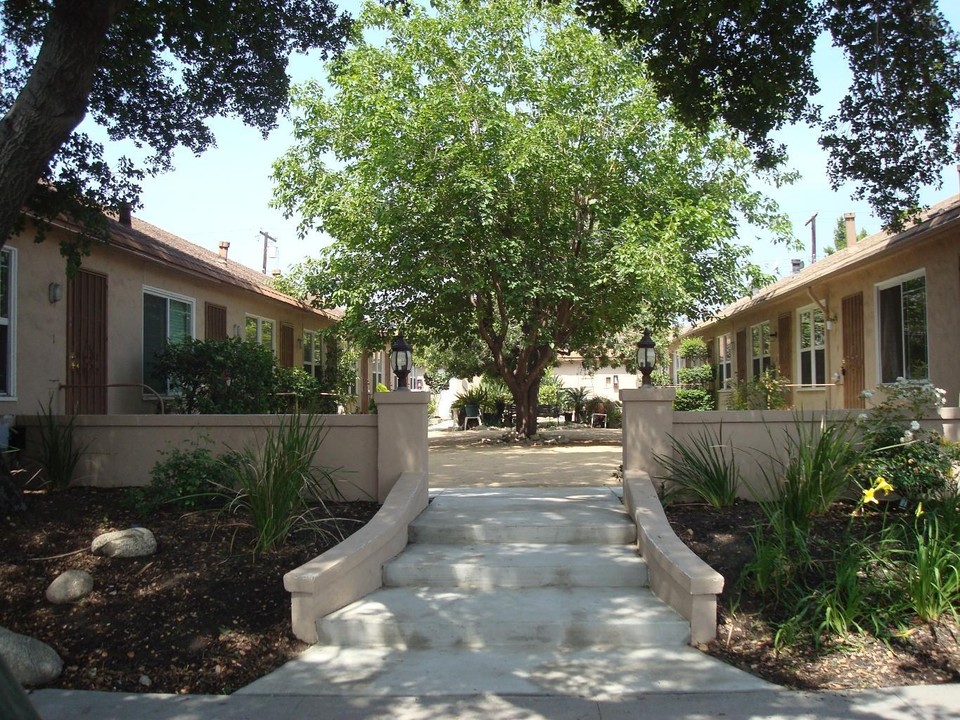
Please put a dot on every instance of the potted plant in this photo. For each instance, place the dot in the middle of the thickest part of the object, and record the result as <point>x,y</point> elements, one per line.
<point>576,398</point>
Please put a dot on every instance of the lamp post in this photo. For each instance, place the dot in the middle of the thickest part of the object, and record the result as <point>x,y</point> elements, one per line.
<point>401,360</point>
<point>646,356</point>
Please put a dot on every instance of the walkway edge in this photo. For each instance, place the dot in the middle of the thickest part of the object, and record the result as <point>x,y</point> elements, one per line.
<point>354,568</point>
<point>677,575</point>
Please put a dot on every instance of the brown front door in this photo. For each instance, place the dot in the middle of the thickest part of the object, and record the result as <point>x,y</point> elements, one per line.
<point>86,392</point>
<point>853,377</point>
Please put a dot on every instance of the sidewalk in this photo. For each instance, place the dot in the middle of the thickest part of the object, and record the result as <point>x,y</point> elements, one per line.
<point>932,702</point>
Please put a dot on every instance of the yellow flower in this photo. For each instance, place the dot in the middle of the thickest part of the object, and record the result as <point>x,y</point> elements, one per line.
<point>919,509</point>
<point>882,484</point>
<point>868,496</point>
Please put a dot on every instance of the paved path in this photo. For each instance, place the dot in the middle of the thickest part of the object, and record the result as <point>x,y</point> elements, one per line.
<point>562,457</point>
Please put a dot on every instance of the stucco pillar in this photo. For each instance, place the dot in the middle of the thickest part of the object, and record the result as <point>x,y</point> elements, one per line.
<point>647,426</point>
<point>401,436</point>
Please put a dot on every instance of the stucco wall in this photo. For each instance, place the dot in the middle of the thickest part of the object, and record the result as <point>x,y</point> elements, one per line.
<point>41,326</point>
<point>121,450</point>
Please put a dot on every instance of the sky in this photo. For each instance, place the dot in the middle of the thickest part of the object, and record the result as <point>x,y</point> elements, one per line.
<point>225,193</point>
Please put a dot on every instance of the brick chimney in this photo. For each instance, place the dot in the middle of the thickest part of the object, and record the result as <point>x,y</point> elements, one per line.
<point>125,214</point>
<point>224,248</point>
<point>849,220</point>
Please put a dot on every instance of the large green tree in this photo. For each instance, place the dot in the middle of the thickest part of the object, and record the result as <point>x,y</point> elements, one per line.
<point>498,170</point>
<point>749,62</point>
<point>151,72</point>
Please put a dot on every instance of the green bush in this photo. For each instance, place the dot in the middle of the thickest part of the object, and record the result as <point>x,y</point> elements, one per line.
<point>231,376</point>
<point>189,477</point>
<point>692,399</point>
<point>700,375</point>
<point>767,392</point>
<point>694,348</point>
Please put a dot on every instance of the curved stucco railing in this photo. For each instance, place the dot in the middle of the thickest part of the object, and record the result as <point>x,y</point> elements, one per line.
<point>354,568</point>
<point>677,575</point>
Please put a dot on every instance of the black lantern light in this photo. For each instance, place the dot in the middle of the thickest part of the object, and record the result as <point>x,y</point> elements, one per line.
<point>401,360</point>
<point>646,356</point>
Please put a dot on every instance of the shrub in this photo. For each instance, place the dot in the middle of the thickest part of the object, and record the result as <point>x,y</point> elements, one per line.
<point>692,348</point>
<point>189,477</point>
<point>821,456</point>
<point>702,467</point>
<point>59,453</point>
<point>276,482</point>
<point>700,375</point>
<point>299,391</point>
<point>231,376</point>
<point>766,392</point>
<point>693,399</point>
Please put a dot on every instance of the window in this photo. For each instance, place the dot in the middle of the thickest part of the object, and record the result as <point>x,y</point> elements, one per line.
<point>8,323</point>
<point>260,331</point>
<point>812,346</point>
<point>377,366</point>
<point>167,318</point>
<point>724,361</point>
<point>313,354</point>
<point>760,348</point>
<point>902,314</point>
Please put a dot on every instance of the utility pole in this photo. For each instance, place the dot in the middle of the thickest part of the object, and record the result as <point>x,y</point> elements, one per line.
<point>267,239</point>
<point>812,222</point>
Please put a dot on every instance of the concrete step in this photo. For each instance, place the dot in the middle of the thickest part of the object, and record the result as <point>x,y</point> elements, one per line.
<point>517,565</point>
<point>524,515</point>
<point>598,675</point>
<point>555,618</point>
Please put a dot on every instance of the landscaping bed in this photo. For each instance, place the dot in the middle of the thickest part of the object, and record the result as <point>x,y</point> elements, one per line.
<point>202,615</point>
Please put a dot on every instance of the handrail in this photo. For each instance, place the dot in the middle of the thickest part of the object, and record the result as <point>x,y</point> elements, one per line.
<point>142,386</point>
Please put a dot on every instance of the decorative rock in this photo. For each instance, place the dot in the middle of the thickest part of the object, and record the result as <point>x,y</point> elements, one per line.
<point>31,661</point>
<point>69,587</point>
<point>133,542</point>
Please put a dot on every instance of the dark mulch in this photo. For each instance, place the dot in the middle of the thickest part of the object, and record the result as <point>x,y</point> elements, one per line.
<point>202,615</point>
<point>926,654</point>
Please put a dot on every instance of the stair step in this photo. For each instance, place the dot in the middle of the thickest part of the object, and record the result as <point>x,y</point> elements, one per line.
<point>525,515</point>
<point>577,618</point>
<point>516,565</point>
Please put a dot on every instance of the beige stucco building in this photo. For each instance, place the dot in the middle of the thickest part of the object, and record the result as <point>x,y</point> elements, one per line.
<point>885,307</point>
<point>86,342</point>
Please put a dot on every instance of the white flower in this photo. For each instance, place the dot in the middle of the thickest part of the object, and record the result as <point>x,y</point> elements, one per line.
<point>866,394</point>
<point>914,425</point>
<point>861,418</point>
<point>907,437</point>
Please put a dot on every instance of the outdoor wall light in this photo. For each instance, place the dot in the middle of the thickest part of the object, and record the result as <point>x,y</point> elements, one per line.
<point>646,356</point>
<point>54,292</point>
<point>401,360</point>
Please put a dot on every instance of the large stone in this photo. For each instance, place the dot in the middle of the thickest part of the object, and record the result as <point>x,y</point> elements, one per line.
<point>31,661</point>
<point>69,587</point>
<point>132,542</point>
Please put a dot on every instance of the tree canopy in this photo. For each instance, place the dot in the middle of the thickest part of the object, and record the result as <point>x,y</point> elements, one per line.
<point>151,72</point>
<point>499,171</point>
<point>748,62</point>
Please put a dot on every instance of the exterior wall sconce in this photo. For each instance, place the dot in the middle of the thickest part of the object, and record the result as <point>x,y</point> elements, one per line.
<point>54,292</point>
<point>646,356</point>
<point>401,360</point>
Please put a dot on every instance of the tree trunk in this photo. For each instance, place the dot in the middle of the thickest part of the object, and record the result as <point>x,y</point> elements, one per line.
<point>52,102</point>
<point>527,402</point>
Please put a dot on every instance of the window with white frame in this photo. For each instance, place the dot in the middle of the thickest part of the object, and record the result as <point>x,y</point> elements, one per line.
<point>261,331</point>
<point>812,335</point>
<point>8,323</point>
<point>724,361</point>
<point>902,332</point>
<point>167,319</point>
<point>760,349</point>
<point>313,354</point>
<point>376,370</point>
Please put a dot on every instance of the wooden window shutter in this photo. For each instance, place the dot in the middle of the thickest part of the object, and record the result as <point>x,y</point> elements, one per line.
<point>215,322</point>
<point>741,355</point>
<point>785,345</point>
<point>286,345</point>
